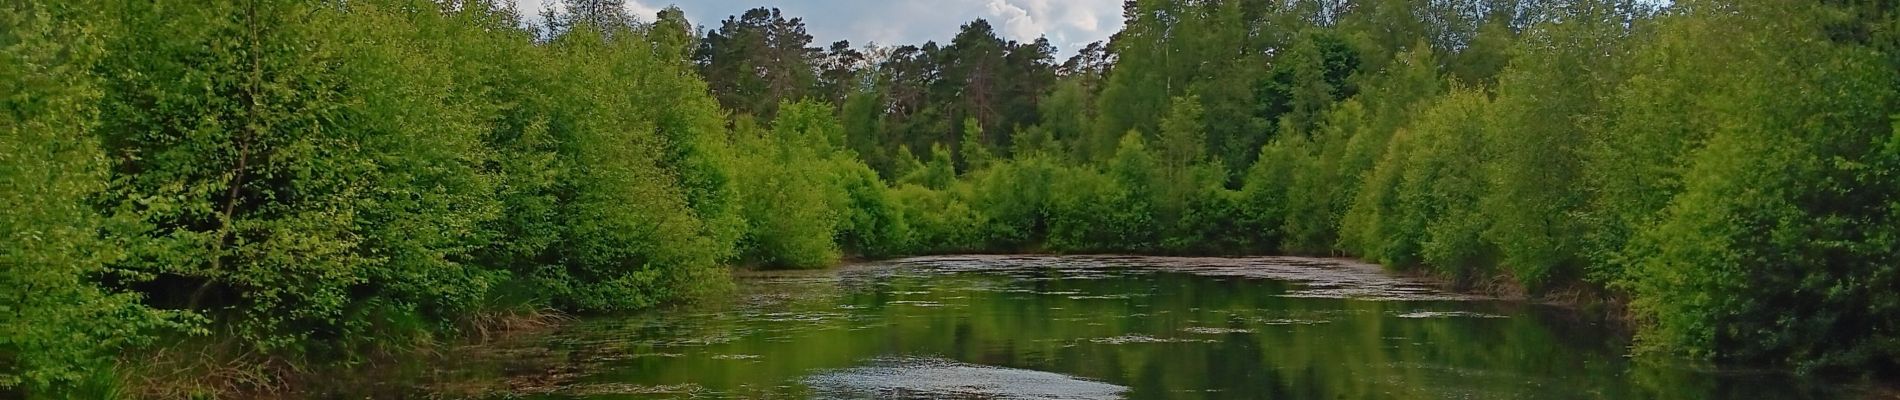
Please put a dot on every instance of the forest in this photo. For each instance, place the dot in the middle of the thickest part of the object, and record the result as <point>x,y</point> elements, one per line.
<point>207,198</point>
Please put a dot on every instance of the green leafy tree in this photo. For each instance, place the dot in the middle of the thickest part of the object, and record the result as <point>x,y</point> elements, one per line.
<point>1133,224</point>
<point>61,326</point>
<point>235,146</point>
<point>629,236</point>
<point>1442,184</point>
<point>1538,136</point>
<point>732,57</point>
<point>1779,246</point>
<point>1357,135</point>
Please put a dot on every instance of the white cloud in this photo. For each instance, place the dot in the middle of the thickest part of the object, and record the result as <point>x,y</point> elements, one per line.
<point>532,9</point>
<point>1069,23</point>
<point>642,11</point>
<point>1016,22</point>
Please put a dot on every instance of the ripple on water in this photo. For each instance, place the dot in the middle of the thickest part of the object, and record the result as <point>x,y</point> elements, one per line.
<point>932,378</point>
<point>1102,297</point>
<point>1448,314</point>
<point>915,303</point>
<point>809,317</point>
<point>607,389</point>
<point>1292,321</point>
<point>1139,338</point>
<point>1214,331</point>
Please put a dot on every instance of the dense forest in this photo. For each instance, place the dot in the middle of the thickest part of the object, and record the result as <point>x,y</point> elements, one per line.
<point>207,197</point>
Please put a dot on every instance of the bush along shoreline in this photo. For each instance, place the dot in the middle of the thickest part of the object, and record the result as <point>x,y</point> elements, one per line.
<point>237,193</point>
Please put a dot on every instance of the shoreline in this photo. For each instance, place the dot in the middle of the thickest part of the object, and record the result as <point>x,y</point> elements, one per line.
<point>292,380</point>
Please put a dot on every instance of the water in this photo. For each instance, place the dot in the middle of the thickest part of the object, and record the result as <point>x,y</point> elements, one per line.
<point>995,327</point>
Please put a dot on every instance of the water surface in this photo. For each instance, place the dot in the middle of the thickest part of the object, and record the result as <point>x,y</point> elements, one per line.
<point>1012,327</point>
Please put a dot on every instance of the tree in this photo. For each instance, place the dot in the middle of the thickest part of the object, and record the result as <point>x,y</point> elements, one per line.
<point>62,326</point>
<point>637,203</point>
<point>1442,184</point>
<point>1067,113</point>
<point>1538,137</point>
<point>1182,151</point>
<point>673,35</point>
<point>839,73</point>
<point>1133,223</point>
<point>1146,73</point>
<point>974,64</point>
<point>732,58</point>
<point>244,174</point>
<point>1779,246</point>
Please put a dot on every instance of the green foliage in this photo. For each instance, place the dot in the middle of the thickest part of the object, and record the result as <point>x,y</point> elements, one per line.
<point>1066,115</point>
<point>1442,182</point>
<point>1331,166</point>
<point>330,179</point>
<point>309,200</point>
<point>940,222</point>
<point>972,154</point>
<point>1373,226</point>
<point>865,133</point>
<point>938,174</point>
<point>732,56</point>
<point>1309,78</point>
<point>1537,141</point>
<point>1264,195</point>
<point>1085,215</point>
<point>429,200</point>
<point>248,165</point>
<point>1133,221</point>
<point>60,323</point>
<point>1012,199</point>
<point>1182,147</point>
<point>787,188</point>
<point>1780,245</point>
<point>807,200</point>
<point>873,224</point>
<point>628,236</point>
<point>1637,155</point>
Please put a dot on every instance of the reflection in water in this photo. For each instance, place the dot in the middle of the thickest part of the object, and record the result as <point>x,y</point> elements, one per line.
<point>925,378</point>
<point>1092,327</point>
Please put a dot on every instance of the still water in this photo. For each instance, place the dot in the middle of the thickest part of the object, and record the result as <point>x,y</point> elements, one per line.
<point>1008,327</point>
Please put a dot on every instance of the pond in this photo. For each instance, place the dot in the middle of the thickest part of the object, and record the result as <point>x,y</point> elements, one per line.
<point>1091,327</point>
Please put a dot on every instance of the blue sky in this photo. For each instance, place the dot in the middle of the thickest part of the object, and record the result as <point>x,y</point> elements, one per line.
<point>1069,24</point>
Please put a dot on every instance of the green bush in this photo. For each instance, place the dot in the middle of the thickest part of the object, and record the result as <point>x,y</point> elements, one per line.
<point>255,168</point>
<point>939,221</point>
<point>61,325</point>
<point>1013,199</point>
<point>1377,226</point>
<point>873,224</point>
<point>1081,208</point>
<point>789,193</point>
<point>1443,180</point>
<point>1781,245</point>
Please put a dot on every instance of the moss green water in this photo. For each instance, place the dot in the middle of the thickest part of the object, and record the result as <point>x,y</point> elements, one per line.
<point>1093,327</point>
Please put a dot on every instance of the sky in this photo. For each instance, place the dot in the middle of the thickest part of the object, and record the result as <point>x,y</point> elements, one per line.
<point>1069,24</point>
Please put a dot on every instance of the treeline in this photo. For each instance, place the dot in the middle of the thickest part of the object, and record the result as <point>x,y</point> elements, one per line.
<point>1727,169</point>
<point>291,181</point>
